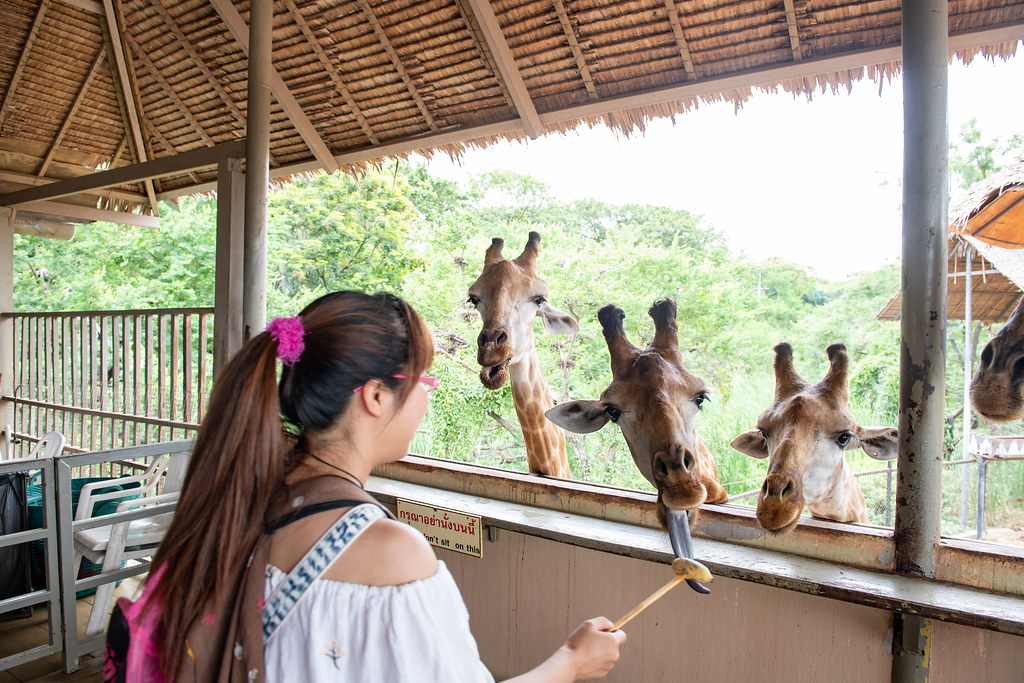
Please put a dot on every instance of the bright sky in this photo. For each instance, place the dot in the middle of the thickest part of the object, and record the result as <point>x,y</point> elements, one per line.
<point>816,183</point>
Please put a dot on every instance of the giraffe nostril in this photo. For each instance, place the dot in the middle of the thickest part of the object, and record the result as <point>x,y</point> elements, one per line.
<point>501,338</point>
<point>986,356</point>
<point>688,460</point>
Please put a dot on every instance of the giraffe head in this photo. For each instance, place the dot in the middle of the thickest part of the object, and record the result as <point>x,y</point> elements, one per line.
<point>804,434</point>
<point>509,294</point>
<point>654,400</point>
<point>997,390</point>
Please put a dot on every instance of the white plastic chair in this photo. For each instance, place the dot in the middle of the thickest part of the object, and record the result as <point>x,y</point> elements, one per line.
<point>112,544</point>
<point>49,446</point>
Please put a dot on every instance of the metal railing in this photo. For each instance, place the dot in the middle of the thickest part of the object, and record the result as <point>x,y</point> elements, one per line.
<point>110,379</point>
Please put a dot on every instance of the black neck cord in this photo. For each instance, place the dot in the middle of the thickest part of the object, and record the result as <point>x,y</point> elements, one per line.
<point>348,475</point>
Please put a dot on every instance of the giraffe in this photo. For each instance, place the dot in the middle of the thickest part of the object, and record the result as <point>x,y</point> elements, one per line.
<point>654,400</point>
<point>510,295</point>
<point>804,433</point>
<point>997,390</point>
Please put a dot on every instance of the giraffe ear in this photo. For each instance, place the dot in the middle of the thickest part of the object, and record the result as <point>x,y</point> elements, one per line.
<point>880,443</point>
<point>581,417</point>
<point>557,322</point>
<point>752,443</point>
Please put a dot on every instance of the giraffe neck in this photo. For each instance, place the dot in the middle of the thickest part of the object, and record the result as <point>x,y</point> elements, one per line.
<point>844,501</point>
<point>545,441</point>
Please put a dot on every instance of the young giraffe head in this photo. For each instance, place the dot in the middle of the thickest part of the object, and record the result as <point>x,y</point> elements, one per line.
<point>997,390</point>
<point>509,294</point>
<point>804,433</point>
<point>654,400</point>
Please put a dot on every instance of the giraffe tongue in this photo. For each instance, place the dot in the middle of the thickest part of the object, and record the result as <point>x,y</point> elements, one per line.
<point>682,546</point>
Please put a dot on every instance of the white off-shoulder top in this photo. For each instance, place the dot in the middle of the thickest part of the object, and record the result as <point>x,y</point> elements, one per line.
<point>417,631</point>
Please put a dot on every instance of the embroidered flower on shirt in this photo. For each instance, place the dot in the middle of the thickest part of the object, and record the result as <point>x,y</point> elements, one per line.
<point>238,651</point>
<point>297,501</point>
<point>252,674</point>
<point>334,653</point>
<point>210,619</point>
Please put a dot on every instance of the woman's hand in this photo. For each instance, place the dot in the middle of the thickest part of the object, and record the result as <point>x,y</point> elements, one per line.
<point>594,648</point>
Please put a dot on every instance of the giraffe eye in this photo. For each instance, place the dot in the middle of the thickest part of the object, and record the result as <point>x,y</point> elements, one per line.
<point>613,413</point>
<point>473,301</point>
<point>540,301</point>
<point>844,439</point>
<point>699,400</point>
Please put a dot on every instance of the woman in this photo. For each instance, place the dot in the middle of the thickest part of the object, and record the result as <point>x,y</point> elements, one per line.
<point>278,566</point>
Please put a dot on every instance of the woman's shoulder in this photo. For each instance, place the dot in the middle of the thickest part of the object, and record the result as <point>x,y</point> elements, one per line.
<point>386,553</point>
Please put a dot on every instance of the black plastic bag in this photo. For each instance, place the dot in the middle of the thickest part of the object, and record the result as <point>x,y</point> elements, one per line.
<point>14,560</point>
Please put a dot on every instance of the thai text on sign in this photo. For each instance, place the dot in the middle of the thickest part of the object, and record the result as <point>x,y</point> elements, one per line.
<point>444,528</point>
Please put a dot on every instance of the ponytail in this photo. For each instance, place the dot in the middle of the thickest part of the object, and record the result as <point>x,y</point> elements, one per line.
<point>238,461</point>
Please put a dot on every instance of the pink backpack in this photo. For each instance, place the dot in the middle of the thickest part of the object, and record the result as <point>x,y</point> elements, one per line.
<point>133,646</point>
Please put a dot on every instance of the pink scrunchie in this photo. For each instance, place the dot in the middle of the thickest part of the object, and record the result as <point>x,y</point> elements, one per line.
<point>289,333</point>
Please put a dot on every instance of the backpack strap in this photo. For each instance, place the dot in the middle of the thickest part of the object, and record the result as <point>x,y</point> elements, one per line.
<point>315,563</point>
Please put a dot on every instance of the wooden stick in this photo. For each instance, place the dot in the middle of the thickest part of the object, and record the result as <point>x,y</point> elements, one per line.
<point>685,568</point>
<point>648,602</point>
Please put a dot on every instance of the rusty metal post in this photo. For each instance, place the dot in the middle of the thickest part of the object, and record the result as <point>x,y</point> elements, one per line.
<point>923,316</point>
<point>257,167</point>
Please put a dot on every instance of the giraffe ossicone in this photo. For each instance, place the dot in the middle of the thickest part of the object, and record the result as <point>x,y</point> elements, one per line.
<point>805,433</point>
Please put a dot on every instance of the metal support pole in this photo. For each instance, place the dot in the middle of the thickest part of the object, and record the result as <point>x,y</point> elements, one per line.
<point>257,167</point>
<point>925,25</point>
<point>923,330</point>
<point>968,362</point>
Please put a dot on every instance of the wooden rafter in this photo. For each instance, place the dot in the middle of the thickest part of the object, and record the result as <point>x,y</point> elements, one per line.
<point>170,150</point>
<point>19,70</point>
<point>88,5</point>
<point>284,96</point>
<point>385,42</point>
<point>677,31</point>
<point>794,35</point>
<point>168,91</point>
<point>88,213</point>
<point>332,73</point>
<point>477,34</point>
<point>185,44</point>
<point>125,92</point>
<point>71,114</point>
<point>574,45</point>
<point>506,65</point>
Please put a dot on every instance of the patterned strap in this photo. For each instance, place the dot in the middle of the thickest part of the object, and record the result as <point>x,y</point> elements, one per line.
<point>315,563</point>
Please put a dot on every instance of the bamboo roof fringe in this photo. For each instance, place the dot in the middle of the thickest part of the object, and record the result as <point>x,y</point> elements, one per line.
<point>88,85</point>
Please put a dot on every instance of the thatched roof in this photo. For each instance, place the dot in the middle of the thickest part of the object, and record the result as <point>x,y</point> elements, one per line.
<point>89,85</point>
<point>997,278</point>
<point>992,210</point>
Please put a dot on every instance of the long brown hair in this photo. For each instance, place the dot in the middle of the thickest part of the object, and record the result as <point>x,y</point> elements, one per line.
<point>243,450</point>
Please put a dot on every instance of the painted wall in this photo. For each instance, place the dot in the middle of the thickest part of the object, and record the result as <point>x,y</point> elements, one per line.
<point>527,594</point>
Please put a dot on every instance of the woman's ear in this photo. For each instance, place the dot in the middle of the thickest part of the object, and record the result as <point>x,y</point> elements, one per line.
<point>374,397</point>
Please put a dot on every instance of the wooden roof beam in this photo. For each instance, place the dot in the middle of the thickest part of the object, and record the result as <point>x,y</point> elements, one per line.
<point>35,181</point>
<point>90,6</point>
<point>291,106</point>
<point>19,70</point>
<point>574,45</point>
<point>332,73</point>
<point>180,163</point>
<point>507,69</point>
<point>71,114</point>
<point>88,213</point>
<point>477,36</point>
<point>126,93</point>
<point>677,31</point>
<point>794,35</point>
<point>385,42</point>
